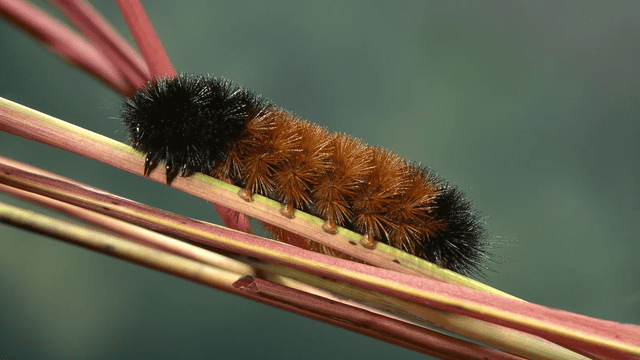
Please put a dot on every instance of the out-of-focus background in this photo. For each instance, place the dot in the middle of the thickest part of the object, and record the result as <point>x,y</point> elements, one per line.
<point>532,107</point>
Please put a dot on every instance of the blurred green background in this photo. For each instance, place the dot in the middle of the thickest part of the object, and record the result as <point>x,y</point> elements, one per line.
<point>532,107</point>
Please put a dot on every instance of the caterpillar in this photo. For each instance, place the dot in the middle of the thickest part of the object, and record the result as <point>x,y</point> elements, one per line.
<point>206,124</point>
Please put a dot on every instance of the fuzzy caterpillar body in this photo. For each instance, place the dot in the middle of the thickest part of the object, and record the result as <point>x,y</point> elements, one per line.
<point>209,125</point>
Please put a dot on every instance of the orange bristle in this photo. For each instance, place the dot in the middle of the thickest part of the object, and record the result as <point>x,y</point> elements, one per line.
<point>378,196</point>
<point>349,164</point>
<point>272,143</point>
<point>411,220</point>
<point>295,178</point>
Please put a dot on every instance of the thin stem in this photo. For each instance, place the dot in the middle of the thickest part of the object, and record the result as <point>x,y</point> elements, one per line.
<point>108,40</point>
<point>372,324</point>
<point>64,42</point>
<point>117,247</point>
<point>134,233</point>
<point>146,38</point>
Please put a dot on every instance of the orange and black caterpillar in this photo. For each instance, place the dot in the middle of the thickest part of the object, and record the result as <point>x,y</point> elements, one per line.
<point>210,125</point>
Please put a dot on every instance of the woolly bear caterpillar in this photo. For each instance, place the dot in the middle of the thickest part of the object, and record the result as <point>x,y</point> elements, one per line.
<point>210,125</point>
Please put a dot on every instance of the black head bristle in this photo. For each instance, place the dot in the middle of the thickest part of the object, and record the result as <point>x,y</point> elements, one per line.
<point>187,122</point>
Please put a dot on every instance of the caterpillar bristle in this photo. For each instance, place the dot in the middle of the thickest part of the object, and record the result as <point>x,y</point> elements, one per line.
<point>207,124</point>
<point>461,245</point>
<point>379,195</point>
<point>187,122</point>
<point>408,223</point>
<point>263,152</point>
<point>294,179</point>
<point>349,163</point>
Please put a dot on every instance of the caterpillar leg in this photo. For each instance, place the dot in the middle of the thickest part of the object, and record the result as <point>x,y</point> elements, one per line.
<point>287,211</point>
<point>368,241</point>
<point>246,195</point>
<point>330,227</point>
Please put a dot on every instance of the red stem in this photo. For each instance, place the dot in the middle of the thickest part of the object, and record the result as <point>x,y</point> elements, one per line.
<point>368,323</point>
<point>146,38</point>
<point>107,39</point>
<point>63,41</point>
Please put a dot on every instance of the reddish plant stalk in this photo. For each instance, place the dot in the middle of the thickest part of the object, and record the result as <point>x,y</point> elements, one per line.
<point>368,323</point>
<point>146,38</point>
<point>108,40</point>
<point>64,42</point>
